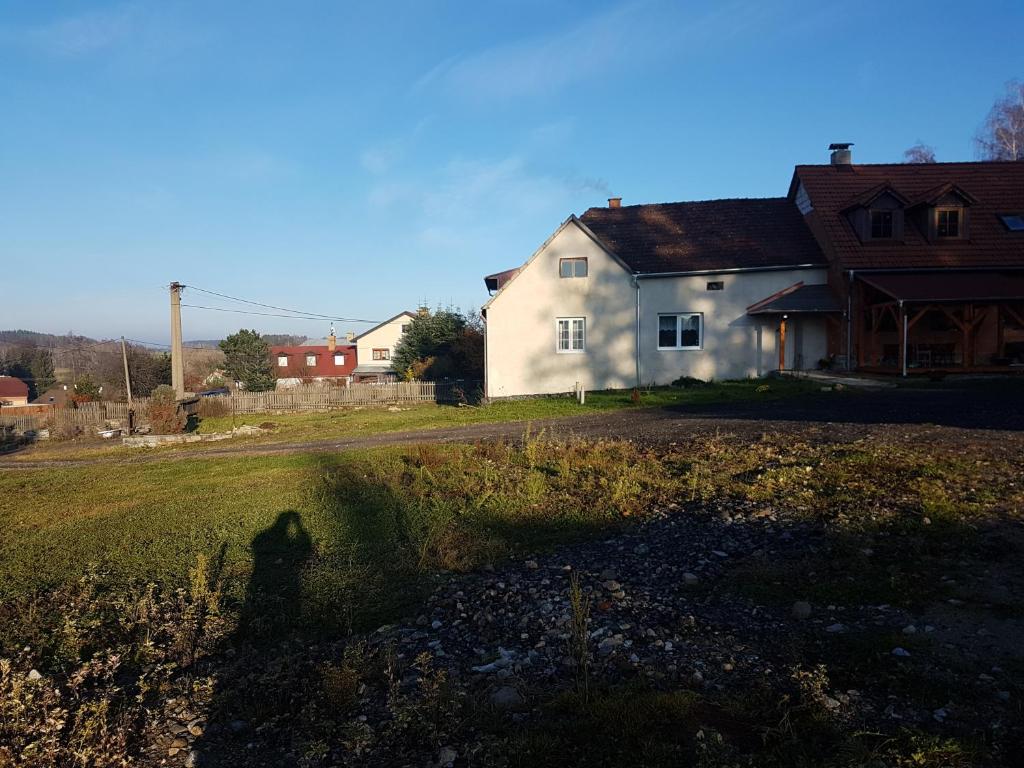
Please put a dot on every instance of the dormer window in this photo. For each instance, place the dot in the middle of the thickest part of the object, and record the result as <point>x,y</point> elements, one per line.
<point>881,225</point>
<point>947,222</point>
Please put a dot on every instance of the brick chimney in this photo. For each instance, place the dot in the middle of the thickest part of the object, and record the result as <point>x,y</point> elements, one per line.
<point>332,340</point>
<point>614,202</point>
<point>350,336</point>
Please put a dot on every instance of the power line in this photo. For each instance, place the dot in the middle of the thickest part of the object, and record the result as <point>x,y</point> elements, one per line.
<point>308,315</point>
<point>272,314</point>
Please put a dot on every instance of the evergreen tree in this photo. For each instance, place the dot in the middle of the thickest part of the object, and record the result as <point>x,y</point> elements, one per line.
<point>42,370</point>
<point>247,359</point>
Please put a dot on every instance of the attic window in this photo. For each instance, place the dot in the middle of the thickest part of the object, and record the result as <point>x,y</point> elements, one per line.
<point>1013,221</point>
<point>881,225</point>
<point>572,267</point>
<point>311,360</point>
<point>716,285</point>
<point>282,361</point>
<point>948,222</point>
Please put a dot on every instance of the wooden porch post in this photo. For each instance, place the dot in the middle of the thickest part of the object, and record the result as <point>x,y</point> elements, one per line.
<point>968,322</point>
<point>903,338</point>
<point>782,343</point>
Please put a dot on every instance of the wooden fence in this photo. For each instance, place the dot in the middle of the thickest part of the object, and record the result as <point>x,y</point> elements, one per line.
<point>98,414</point>
<point>319,399</point>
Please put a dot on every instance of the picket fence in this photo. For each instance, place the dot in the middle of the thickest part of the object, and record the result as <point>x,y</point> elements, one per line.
<point>319,399</point>
<point>98,414</point>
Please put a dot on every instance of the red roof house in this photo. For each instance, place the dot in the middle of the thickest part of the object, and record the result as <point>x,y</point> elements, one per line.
<point>13,391</point>
<point>313,362</point>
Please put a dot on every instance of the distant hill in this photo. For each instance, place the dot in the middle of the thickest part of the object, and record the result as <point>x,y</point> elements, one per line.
<point>273,339</point>
<point>23,337</point>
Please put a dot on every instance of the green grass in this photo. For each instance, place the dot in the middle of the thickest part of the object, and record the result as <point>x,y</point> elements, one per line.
<point>158,563</point>
<point>359,421</point>
<point>354,421</point>
<point>372,524</point>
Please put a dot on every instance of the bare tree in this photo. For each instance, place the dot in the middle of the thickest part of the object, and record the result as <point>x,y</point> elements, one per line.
<point>919,153</point>
<point>1001,137</point>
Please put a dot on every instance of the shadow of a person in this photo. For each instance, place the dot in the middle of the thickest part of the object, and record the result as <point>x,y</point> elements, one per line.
<point>271,612</point>
<point>273,599</point>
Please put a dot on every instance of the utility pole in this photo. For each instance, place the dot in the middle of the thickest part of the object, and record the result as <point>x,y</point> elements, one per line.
<point>128,386</point>
<point>127,378</point>
<point>177,361</point>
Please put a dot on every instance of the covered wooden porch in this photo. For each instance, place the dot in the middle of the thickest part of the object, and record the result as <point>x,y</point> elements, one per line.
<point>950,322</point>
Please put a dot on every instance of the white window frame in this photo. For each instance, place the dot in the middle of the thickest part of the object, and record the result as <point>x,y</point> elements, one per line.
<point>282,361</point>
<point>339,358</point>
<point>381,353</point>
<point>574,260</point>
<point>311,361</point>
<point>558,335</point>
<point>679,331</point>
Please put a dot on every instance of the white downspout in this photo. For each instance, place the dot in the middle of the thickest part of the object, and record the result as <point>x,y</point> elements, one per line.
<point>487,394</point>
<point>636,282</point>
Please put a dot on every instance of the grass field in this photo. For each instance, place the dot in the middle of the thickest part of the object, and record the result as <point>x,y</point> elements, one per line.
<point>138,572</point>
<point>348,422</point>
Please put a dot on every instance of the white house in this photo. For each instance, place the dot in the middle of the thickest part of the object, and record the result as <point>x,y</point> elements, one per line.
<point>635,295</point>
<point>375,347</point>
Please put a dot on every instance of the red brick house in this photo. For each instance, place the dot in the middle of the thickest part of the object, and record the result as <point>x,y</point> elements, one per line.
<point>926,262</point>
<point>309,363</point>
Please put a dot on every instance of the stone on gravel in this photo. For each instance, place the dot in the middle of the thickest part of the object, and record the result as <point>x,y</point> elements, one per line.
<point>34,675</point>
<point>506,697</point>
<point>690,579</point>
<point>900,651</point>
<point>447,756</point>
<point>801,610</point>
<point>835,628</point>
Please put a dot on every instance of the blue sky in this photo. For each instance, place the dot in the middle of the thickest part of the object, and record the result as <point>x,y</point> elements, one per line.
<point>360,158</point>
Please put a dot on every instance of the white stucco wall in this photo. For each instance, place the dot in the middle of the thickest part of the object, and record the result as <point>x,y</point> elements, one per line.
<point>521,324</point>
<point>736,345</point>
<point>383,337</point>
<point>521,330</point>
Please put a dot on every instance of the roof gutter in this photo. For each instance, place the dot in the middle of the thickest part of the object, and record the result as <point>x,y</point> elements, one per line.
<point>734,270</point>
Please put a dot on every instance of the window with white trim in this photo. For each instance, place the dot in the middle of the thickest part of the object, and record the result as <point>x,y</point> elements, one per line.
<point>382,354</point>
<point>282,361</point>
<point>311,361</point>
<point>681,331</point>
<point>572,267</point>
<point>339,359</point>
<point>571,334</point>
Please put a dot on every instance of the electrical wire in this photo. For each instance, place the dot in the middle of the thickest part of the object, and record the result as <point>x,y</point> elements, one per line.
<point>272,314</point>
<point>309,315</point>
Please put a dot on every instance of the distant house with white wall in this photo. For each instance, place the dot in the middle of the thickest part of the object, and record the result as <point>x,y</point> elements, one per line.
<point>13,392</point>
<point>375,348</point>
<point>629,296</point>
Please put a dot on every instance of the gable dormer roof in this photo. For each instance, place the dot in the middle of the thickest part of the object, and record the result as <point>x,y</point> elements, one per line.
<point>995,188</point>
<point>936,194</point>
<point>868,196</point>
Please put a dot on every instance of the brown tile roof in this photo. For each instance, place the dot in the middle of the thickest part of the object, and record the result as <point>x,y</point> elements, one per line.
<point>710,235</point>
<point>12,387</point>
<point>991,188</point>
<point>950,286</point>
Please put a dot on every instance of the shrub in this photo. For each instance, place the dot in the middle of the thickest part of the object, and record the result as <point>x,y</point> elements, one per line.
<point>689,382</point>
<point>165,416</point>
